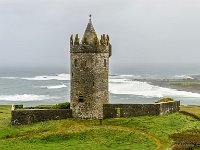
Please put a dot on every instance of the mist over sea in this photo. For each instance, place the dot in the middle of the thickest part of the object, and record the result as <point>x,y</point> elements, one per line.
<point>39,86</point>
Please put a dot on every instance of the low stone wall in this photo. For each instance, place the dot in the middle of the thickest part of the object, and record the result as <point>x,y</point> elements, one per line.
<point>130,110</point>
<point>133,110</point>
<point>169,107</point>
<point>28,116</point>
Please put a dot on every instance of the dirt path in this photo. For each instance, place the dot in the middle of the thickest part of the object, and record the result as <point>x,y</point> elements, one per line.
<point>160,146</point>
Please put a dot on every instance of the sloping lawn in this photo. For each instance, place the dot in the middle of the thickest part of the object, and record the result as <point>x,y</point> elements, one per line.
<point>147,132</point>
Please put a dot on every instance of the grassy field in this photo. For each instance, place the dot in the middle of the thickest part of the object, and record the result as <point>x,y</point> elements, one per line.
<point>138,133</point>
<point>191,109</point>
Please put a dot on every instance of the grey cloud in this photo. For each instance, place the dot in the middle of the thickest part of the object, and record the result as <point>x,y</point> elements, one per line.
<point>36,32</point>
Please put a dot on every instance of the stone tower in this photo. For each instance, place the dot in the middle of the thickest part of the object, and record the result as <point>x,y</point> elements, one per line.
<point>89,73</point>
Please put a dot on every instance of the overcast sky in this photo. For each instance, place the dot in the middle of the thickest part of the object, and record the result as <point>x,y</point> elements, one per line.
<point>36,32</point>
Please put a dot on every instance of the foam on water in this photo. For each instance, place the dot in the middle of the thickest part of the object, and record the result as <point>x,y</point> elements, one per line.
<point>65,77</point>
<point>123,86</point>
<point>26,97</point>
<point>183,77</point>
<point>9,77</point>
<point>54,86</point>
<point>118,84</point>
<point>125,76</point>
<point>56,77</point>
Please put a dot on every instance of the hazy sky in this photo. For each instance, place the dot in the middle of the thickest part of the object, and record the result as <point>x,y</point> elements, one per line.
<point>36,32</point>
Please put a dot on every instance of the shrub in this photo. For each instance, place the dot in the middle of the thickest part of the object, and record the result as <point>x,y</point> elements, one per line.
<point>186,140</point>
<point>65,105</point>
<point>167,99</point>
<point>18,106</point>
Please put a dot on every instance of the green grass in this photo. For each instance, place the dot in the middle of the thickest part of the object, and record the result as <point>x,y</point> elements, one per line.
<point>145,132</point>
<point>88,139</point>
<point>5,111</point>
<point>161,126</point>
<point>64,134</point>
<point>193,109</point>
<point>4,115</point>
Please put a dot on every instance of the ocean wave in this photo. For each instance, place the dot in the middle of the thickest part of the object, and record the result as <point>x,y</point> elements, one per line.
<point>9,77</point>
<point>124,76</point>
<point>118,80</point>
<point>47,77</point>
<point>65,77</point>
<point>54,86</point>
<point>26,97</point>
<point>183,77</point>
<point>146,90</point>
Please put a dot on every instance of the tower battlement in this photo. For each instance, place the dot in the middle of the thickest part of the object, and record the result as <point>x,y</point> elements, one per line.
<point>95,46</point>
<point>82,48</point>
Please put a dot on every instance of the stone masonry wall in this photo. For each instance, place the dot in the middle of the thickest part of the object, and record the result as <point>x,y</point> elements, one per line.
<point>89,84</point>
<point>130,110</point>
<point>169,107</point>
<point>28,116</point>
<point>133,110</point>
<point>23,116</point>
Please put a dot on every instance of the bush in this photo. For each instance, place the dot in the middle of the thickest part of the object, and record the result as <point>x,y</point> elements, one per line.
<point>188,139</point>
<point>18,106</point>
<point>39,107</point>
<point>65,105</point>
<point>165,100</point>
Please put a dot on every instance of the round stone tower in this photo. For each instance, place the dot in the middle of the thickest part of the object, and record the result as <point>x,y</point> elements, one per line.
<point>89,73</point>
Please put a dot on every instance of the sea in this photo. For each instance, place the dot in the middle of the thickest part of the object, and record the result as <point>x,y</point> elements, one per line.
<point>36,86</point>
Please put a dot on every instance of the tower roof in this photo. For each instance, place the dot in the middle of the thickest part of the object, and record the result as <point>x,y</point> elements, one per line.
<point>89,31</point>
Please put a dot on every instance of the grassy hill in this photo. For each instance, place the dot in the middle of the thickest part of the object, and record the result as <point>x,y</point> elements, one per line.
<point>193,109</point>
<point>138,133</point>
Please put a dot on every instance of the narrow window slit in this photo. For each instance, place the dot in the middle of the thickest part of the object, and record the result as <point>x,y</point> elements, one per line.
<point>80,99</point>
<point>75,62</point>
<point>104,62</point>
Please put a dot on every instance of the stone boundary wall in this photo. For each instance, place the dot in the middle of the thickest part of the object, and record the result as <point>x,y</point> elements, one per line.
<point>28,116</point>
<point>134,110</point>
<point>169,107</point>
